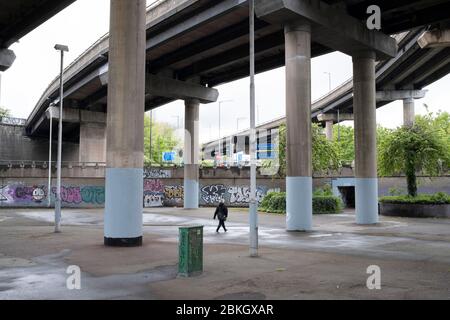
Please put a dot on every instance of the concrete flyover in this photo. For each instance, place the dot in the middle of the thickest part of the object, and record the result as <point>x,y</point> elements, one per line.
<point>205,43</point>
<point>17,18</point>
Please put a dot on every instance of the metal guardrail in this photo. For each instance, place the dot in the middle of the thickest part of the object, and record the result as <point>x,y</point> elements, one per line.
<point>10,164</point>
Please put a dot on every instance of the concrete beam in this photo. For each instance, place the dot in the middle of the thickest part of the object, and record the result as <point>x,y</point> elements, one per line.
<point>176,89</point>
<point>434,38</point>
<point>325,117</point>
<point>7,58</point>
<point>393,95</point>
<point>331,27</point>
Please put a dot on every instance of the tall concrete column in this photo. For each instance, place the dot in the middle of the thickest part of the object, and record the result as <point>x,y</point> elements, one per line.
<point>125,124</point>
<point>92,137</point>
<point>191,154</point>
<point>365,138</point>
<point>329,130</point>
<point>408,112</point>
<point>298,120</point>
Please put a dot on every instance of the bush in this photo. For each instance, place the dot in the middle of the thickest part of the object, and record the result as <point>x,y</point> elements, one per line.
<point>438,198</point>
<point>327,204</point>
<point>275,202</point>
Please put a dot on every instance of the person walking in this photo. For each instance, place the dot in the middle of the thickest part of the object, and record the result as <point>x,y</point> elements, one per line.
<point>222,214</point>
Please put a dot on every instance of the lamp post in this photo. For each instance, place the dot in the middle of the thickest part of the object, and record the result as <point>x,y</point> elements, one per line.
<point>150,146</point>
<point>49,188</point>
<point>62,49</point>
<point>220,123</point>
<point>253,208</point>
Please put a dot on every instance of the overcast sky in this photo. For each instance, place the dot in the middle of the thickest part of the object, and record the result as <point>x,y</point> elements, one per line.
<point>82,23</point>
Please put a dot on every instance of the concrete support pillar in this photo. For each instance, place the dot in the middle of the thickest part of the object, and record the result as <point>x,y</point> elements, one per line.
<point>365,138</point>
<point>92,137</point>
<point>298,120</point>
<point>191,154</point>
<point>125,124</point>
<point>409,113</point>
<point>329,130</point>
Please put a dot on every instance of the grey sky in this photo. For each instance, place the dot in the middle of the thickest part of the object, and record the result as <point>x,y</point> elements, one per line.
<point>81,24</point>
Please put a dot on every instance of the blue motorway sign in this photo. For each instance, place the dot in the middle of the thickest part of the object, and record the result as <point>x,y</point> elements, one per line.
<point>169,156</point>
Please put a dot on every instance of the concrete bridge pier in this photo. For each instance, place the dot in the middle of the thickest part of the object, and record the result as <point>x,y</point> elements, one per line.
<point>329,130</point>
<point>365,138</point>
<point>298,120</point>
<point>191,154</point>
<point>409,113</point>
<point>125,124</point>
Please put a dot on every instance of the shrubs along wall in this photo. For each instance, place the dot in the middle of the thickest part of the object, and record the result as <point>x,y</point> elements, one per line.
<point>323,203</point>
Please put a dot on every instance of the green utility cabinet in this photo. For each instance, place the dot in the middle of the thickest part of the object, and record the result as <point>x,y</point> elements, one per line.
<point>190,251</point>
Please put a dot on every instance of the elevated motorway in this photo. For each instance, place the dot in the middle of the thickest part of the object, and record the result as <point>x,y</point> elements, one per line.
<point>199,44</point>
<point>400,78</point>
<point>19,17</point>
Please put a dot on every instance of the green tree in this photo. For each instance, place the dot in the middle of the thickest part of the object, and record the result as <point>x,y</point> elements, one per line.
<point>4,112</point>
<point>344,140</point>
<point>163,140</point>
<point>324,153</point>
<point>440,123</point>
<point>412,149</point>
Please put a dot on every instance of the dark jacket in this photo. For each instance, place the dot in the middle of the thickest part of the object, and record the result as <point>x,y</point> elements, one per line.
<point>221,212</point>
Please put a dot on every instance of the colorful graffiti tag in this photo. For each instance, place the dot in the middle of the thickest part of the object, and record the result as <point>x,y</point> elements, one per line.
<point>153,193</point>
<point>22,193</point>
<point>18,194</point>
<point>156,193</point>
<point>78,195</point>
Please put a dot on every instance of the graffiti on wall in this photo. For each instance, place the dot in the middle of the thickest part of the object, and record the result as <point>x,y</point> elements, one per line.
<point>153,193</point>
<point>174,192</point>
<point>157,193</point>
<point>241,194</point>
<point>23,195</point>
<point>212,194</point>
<point>232,195</point>
<point>78,195</point>
<point>157,174</point>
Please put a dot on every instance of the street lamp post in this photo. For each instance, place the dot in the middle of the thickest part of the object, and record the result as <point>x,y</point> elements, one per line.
<point>253,208</point>
<point>62,49</point>
<point>49,188</point>
<point>151,125</point>
<point>220,123</point>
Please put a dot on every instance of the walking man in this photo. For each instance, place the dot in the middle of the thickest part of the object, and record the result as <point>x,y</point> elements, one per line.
<point>222,214</point>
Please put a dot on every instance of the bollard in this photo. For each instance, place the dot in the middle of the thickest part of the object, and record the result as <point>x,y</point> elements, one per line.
<point>190,251</point>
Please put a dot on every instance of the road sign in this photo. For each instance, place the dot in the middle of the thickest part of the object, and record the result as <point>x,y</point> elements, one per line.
<point>168,156</point>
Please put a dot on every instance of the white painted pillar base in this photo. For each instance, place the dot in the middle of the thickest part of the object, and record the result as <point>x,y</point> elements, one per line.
<point>298,203</point>
<point>366,200</point>
<point>123,204</point>
<point>191,194</point>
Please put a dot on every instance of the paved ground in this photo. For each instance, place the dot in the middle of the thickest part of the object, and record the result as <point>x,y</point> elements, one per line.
<point>329,263</point>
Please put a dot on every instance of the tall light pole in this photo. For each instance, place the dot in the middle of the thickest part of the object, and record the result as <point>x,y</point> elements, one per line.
<point>49,187</point>
<point>62,49</point>
<point>151,125</point>
<point>253,212</point>
<point>220,123</point>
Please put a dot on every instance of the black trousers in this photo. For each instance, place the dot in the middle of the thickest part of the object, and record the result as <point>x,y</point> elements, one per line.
<point>221,224</point>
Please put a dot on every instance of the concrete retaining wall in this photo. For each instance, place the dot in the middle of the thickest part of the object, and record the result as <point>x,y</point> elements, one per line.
<point>84,187</point>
